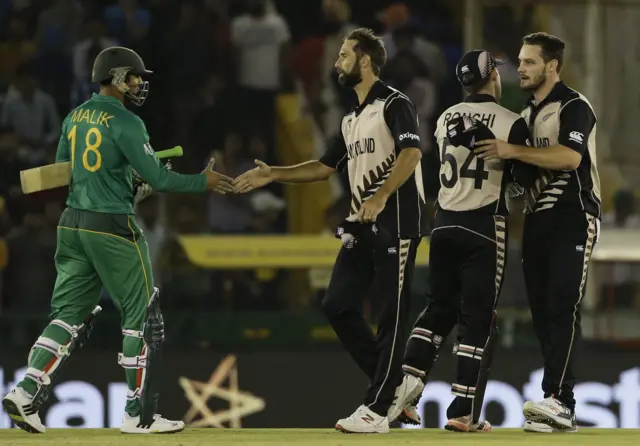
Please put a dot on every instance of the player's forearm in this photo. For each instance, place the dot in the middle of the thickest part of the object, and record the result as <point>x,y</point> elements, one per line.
<point>163,180</point>
<point>556,157</point>
<point>168,181</point>
<point>405,166</point>
<point>307,172</point>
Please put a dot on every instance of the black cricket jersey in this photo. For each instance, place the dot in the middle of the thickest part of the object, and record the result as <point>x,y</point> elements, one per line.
<point>564,117</point>
<point>371,138</point>
<point>468,183</point>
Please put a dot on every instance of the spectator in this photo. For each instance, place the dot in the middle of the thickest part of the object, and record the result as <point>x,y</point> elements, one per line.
<point>14,51</point>
<point>125,17</point>
<point>190,48</point>
<point>63,18</point>
<point>55,60</point>
<point>337,16</point>
<point>261,40</point>
<point>84,53</point>
<point>31,112</point>
<point>263,48</point>
<point>85,50</point>
<point>211,123</point>
<point>407,73</point>
<point>406,38</point>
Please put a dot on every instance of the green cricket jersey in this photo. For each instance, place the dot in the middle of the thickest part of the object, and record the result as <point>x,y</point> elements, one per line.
<point>104,142</point>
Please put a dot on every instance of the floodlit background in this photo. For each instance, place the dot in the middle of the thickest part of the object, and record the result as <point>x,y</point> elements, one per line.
<point>242,80</point>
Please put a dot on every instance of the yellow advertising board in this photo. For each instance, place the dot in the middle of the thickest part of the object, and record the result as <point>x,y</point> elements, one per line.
<point>277,251</point>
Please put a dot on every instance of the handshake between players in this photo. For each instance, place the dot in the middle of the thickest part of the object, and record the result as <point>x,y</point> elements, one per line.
<point>248,181</point>
<point>262,175</point>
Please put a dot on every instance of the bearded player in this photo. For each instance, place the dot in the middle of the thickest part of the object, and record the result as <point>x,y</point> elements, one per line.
<point>100,245</point>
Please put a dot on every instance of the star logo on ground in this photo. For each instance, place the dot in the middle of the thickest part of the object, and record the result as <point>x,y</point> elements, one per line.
<point>241,403</point>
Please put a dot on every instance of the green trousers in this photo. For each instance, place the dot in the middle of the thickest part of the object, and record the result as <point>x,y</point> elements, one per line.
<point>96,251</point>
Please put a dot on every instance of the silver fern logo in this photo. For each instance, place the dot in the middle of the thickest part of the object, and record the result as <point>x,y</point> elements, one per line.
<point>371,182</point>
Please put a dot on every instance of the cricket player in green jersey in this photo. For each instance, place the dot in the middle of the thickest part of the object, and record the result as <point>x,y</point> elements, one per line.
<point>100,245</point>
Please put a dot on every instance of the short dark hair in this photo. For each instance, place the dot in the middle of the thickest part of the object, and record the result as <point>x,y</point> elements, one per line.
<point>552,46</point>
<point>479,85</point>
<point>371,45</point>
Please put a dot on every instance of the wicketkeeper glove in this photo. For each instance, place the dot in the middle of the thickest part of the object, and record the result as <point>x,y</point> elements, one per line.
<point>514,190</point>
<point>464,131</point>
<point>352,232</point>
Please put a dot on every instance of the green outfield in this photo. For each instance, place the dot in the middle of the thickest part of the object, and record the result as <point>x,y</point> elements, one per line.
<point>317,437</point>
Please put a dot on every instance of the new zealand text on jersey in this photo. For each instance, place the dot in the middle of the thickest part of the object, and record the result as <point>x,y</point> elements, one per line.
<point>542,142</point>
<point>360,147</point>
<point>487,119</point>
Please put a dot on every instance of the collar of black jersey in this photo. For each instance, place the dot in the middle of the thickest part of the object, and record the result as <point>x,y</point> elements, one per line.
<point>376,91</point>
<point>480,97</point>
<point>554,95</point>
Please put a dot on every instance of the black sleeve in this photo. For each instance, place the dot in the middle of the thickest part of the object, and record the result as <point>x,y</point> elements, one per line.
<point>336,155</point>
<point>523,174</point>
<point>519,134</point>
<point>576,121</point>
<point>402,119</point>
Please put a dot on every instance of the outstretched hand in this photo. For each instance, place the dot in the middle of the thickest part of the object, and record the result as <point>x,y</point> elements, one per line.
<point>253,179</point>
<point>216,181</point>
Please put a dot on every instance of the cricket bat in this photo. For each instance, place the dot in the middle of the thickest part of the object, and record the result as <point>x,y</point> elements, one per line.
<point>59,174</point>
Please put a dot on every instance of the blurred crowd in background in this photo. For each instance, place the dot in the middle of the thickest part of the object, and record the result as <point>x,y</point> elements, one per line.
<point>219,66</point>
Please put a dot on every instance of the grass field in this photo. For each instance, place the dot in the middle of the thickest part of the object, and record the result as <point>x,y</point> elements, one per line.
<point>318,437</point>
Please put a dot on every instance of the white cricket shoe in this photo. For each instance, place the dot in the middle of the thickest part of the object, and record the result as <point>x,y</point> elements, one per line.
<point>544,428</point>
<point>160,425</point>
<point>17,404</point>
<point>549,411</point>
<point>541,428</point>
<point>409,389</point>
<point>363,421</point>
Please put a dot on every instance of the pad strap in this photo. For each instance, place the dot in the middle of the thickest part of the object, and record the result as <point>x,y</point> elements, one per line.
<point>133,394</point>
<point>52,346</point>
<point>132,362</point>
<point>463,391</point>
<point>469,351</point>
<point>422,334</point>
<point>40,377</point>
<point>132,333</point>
<point>72,330</point>
<point>413,371</point>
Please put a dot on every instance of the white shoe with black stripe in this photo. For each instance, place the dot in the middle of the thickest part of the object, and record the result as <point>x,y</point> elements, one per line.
<point>549,411</point>
<point>17,404</point>
<point>159,426</point>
